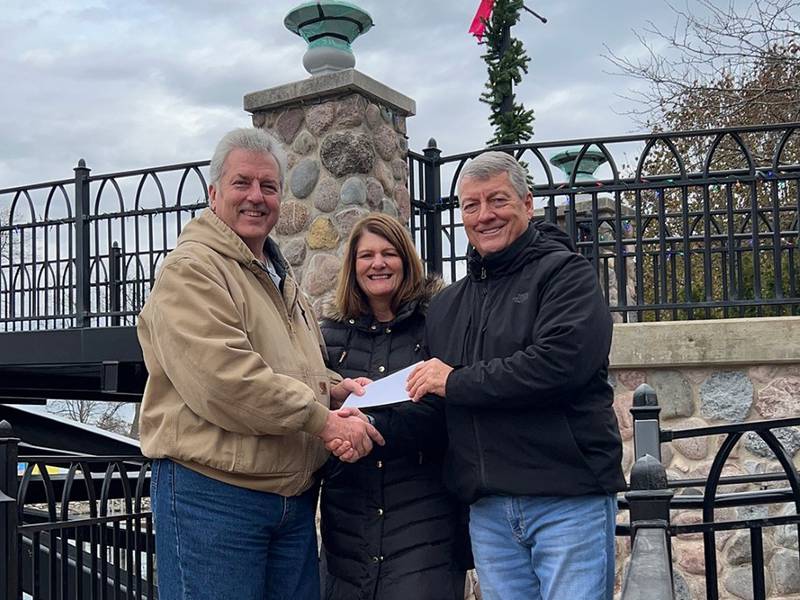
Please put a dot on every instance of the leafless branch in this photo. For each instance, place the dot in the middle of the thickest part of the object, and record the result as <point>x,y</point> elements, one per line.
<point>747,59</point>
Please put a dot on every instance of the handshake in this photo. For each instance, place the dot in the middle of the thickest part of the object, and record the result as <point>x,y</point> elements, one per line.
<point>347,433</point>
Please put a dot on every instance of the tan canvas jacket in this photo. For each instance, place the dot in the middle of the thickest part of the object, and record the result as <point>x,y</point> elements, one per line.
<point>237,385</point>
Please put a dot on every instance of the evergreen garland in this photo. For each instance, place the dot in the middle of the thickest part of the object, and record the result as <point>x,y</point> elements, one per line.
<point>505,71</point>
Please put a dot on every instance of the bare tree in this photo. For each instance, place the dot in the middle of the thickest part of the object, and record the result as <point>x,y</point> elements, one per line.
<point>5,238</point>
<point>105,415</point>
<point>723,63</point>
<point>720,64</point>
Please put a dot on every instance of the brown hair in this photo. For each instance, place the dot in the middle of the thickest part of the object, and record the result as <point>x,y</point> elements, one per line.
<point>351,302</point>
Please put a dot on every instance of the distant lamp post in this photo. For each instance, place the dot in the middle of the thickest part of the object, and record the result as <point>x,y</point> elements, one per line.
<point>590,162</point>
<point>329,27</point>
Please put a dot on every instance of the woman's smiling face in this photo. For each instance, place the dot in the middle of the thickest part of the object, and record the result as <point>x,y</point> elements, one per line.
<point>379,268</point>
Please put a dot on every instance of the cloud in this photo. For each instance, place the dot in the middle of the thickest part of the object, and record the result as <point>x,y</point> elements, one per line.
<point>128,85</point>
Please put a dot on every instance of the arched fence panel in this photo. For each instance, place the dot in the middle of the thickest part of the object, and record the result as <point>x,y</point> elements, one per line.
<point>678,225</point>
<point>83,252</point>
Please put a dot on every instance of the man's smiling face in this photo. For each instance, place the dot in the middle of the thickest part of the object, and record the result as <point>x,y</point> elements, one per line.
<point>247,197</point>
<point>493,213</point>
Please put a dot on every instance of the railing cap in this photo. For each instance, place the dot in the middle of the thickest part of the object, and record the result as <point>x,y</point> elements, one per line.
<point>645,396</point>
<point>648,474</point>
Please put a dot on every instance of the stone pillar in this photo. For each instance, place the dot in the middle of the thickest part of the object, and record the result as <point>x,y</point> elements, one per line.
<point>345,135</point>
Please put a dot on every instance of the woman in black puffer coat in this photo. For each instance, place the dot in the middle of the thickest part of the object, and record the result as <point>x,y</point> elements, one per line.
<point>389,528</point>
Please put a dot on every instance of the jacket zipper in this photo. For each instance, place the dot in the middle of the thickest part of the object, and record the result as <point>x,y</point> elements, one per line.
<point>475,356</point>
<point>479,449</point>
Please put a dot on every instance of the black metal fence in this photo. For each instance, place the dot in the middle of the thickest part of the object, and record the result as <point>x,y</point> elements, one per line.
<point>679,225</point>
<point>74,526</point>
<point>84,251</point>
<point>79,526</point>
<point>772,500</point>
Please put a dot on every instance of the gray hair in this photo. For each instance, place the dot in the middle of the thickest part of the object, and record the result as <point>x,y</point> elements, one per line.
<point>252,140</point>
<point>487,165</point>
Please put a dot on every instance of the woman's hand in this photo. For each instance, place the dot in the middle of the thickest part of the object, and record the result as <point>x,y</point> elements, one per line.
<point>345,387</point>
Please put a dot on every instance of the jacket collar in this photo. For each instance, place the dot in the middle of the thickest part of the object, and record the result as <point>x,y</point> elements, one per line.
<point>507,260</point>
<point>208,229</point>
<point>367,321</point>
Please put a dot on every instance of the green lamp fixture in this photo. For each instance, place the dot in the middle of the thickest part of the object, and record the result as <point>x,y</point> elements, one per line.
<point>590,162</point>
<point>329,27</point>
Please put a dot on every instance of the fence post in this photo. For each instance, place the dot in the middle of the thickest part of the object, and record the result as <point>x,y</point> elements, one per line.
<point>648,497</point>
<point>650,572</point>
<point>646,426</point>
<point>9,556</point>
<point>114,284</point>
<point>82,265</point>
<point>433,214</point>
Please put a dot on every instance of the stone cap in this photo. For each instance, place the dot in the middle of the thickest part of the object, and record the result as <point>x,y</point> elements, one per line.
<point>329,84</point>
<point>706,343</point>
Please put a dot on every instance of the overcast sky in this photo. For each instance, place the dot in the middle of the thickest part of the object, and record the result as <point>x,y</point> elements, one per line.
<point>128,85</point>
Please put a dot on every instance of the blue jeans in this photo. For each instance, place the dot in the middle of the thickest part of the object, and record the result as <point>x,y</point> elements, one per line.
<point>215,540</point>
<point>544,548</point>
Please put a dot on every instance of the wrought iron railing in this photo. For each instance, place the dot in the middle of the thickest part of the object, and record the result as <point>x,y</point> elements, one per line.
<point>680,225</point>
<point>653,499</point>
<point>683,225</point>
<point>74,526</point>
<point>84,251</point>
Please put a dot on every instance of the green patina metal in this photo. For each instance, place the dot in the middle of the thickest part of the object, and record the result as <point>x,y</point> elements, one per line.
<point>589,163</point>
<point>328,23</point>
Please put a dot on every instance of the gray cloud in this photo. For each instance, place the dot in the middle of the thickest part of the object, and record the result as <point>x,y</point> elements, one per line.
<point>129,85</point>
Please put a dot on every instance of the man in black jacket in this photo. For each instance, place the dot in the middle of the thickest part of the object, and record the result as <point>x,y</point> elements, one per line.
<point>521,360</point>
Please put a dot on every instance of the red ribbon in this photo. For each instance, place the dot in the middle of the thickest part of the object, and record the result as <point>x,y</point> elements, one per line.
<point>484,12</point>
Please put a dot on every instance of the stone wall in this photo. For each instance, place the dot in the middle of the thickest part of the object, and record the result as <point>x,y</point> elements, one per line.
<point>696,395</point>
<point>347,154</point>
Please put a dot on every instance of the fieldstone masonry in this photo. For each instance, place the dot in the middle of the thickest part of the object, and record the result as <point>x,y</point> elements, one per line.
<point>697,397</point>
<point>345,135</point>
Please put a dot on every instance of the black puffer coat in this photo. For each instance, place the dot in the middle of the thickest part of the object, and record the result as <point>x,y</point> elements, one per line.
<point>389,527</point>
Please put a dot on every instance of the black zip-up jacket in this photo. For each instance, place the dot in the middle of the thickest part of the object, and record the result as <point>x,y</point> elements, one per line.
<point>390,529</point>
<point>529,408</point>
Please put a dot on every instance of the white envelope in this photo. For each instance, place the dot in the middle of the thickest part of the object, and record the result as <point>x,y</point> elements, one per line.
<point>389,390</point>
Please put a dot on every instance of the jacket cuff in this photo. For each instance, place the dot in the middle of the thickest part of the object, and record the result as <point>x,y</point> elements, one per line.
<point>451,391</point>
<point>317,416</point>
<point>379,420</point>
<point>334,377</point>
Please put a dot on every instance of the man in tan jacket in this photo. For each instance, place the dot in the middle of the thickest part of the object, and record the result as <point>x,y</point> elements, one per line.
<point>236,412</point>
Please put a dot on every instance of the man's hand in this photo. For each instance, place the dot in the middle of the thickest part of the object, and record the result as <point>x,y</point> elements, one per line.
<point>428,378</point>
<point>351,429</point>
<point>345,387</point>
<point>339,447</point>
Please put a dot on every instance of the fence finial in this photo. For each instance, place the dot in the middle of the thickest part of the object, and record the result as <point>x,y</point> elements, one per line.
<point>5,429</point>
<point>645,396</point>
<point>648,474</point>
<point>81,163</point>
<point>432,143</point>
